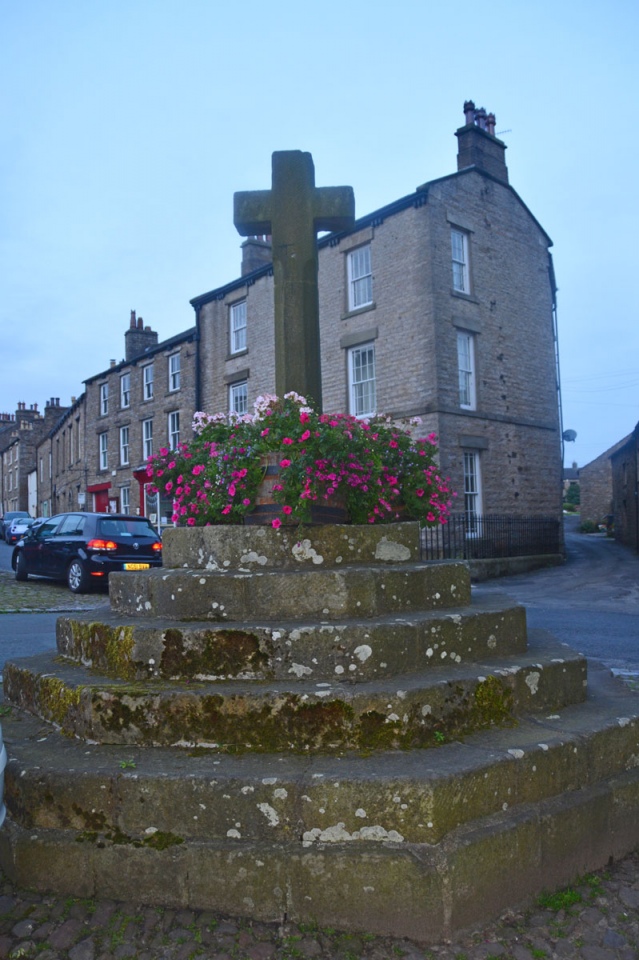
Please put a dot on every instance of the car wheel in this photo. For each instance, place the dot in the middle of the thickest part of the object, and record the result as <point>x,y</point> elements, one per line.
<point>77,577</point>
<point>21,568</point>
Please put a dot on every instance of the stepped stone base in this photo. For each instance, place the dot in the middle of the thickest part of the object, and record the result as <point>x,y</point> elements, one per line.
<point>411,844</point>
<point>245,731</point>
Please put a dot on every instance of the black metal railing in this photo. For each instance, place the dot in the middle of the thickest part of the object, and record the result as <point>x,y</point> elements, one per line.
<point>471,537</point>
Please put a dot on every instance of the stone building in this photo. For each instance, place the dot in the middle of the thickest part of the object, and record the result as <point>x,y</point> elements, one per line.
<point>625,490</point>
<point>595,482</point>
<point>133,408</point>
<point>60,462</point>
<point>20,434</point>
<point>439,305</point>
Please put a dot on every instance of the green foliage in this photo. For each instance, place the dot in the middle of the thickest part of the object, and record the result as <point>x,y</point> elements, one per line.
<point>561,900</point>
<point>588,526</point>
<point>573,494</point>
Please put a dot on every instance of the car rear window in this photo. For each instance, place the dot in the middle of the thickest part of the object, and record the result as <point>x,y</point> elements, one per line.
<point>131,527</point>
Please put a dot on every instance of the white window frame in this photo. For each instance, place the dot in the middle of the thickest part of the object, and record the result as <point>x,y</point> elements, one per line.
<point>103,445</point>
<point>473,509</point>
<point>104,399</point>
<point>174,372</point>
<point>466,370</point>
<point>360,278</point>
<point>459,257</point>
<point>125,499</point>
<point>237,326</point>
<point>174,429</point>
<point>147,438</point>
<point>238,397</point>
<point>147,382</point>
<point>362,387</point>
<point>124,446</point>
<point>125,390</point>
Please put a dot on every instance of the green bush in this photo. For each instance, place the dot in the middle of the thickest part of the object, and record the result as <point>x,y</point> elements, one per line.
<point>588,526</point>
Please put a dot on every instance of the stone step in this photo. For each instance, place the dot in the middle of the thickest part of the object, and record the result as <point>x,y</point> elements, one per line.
<point>414,710</point>
<point>418,845</point>
<point>300,594</point>
<point>131,649</point>
<point>289,548</point>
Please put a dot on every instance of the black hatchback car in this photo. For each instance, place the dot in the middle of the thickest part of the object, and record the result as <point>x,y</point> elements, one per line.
<point>84,548</point>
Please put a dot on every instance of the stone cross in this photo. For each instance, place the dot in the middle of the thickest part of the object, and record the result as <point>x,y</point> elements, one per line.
<point>292,212</point>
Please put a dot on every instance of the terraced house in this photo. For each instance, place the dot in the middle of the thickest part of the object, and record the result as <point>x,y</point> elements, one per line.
<point>133,408</point>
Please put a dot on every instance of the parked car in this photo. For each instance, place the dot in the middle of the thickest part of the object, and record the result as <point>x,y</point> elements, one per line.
<point>6,521</point>
<point>18,529</point>
<point>84,548</point>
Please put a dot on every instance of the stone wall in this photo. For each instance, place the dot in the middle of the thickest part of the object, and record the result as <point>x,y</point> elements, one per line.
<point>625,484</point>
<point>595,484</point>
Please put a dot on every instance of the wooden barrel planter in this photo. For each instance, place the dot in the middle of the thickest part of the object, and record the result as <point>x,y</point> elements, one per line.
<point>330,510</point>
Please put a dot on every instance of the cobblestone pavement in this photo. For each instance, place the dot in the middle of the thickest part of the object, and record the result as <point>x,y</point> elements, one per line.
<point>595,919</point>
<point>38,596</point>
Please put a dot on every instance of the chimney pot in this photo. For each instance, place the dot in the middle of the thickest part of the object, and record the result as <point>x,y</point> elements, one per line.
<point>140,323</point>
<point>490,124</point>
<point>132,321</point>
<point>112,363</point>
<point>469,111</point>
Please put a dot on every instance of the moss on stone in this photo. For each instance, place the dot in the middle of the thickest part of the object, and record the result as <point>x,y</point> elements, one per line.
<point>225,653</point>
<point>57,701</point>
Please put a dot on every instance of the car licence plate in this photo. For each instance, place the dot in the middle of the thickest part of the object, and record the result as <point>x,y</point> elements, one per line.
<point>137,566</point>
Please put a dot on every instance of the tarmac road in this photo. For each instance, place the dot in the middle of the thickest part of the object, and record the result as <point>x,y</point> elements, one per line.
<point>590,603</point>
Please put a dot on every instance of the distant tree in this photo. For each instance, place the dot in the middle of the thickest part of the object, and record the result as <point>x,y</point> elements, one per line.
<point>573,495</point>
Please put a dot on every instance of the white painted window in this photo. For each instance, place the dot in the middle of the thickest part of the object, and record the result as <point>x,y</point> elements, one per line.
<point>104,459</point>
<point>174,372</point>
<point>125,390</point>
<point>237,321</point>
<point>360,278</point>
<point>459,245</point>
<point>238,397</point>
<point>41,470</point>
<point>361,376</point>
<point>125,499</point>
<point>147,378</point>
<point>174,429</point>
<point>466,369</point>
<point>124,446</point>
<point>104,399</point>
<point>147,439</point>
<point>472,491</point>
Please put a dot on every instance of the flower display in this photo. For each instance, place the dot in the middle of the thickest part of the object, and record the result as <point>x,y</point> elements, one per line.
<point>377,468</point>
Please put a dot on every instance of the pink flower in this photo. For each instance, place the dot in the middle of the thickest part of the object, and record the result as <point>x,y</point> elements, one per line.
<point>287,510</point>
<point>276,523</point>
<point>168,486</point>
<point>419,493</point>
<point>285,463</point>
<point>304,417</point>
<point>287,441</point>
<point>265,432</point>
<point>163,451</point>
<point>231,490</point>
<point>226,509</point>
<point>197,469</point>
<point>246,502</point>
<point>190,522</point>
<point>305,436</point>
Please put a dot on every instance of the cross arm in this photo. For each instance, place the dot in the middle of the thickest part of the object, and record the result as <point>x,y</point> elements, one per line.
<point>334,208</point>
<point>252,212</point>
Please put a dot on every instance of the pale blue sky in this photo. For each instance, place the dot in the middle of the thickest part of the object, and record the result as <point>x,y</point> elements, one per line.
<point>127,125</point>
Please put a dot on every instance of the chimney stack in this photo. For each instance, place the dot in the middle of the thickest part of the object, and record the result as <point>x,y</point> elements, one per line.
<point>477,144</point>
<point>138,339</point>
<point>256,253</point>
